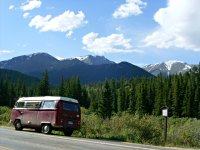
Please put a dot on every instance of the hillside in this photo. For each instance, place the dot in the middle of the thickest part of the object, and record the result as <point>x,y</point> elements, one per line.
<point>15,76</point>
<point>91,73</point>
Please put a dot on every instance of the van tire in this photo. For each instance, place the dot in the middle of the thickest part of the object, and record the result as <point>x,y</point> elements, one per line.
<point>46,129</point>
<point>68,132</point>
<point>18,125</point>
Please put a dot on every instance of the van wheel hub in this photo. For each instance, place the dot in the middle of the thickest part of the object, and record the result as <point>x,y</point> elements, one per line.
<point>46,129</point>
<point>18,125</point>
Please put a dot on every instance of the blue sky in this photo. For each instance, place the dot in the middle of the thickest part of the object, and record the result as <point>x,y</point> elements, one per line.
<point>138,31</point>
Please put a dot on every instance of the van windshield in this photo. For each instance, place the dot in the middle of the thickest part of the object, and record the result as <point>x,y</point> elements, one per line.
<point>71,107</point>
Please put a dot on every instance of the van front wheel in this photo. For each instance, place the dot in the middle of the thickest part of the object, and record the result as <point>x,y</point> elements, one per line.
<point>46,129</point>
<point>18,125</point>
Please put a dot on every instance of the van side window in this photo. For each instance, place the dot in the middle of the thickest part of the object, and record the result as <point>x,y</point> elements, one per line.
<point>19,105</point>
<point>32,104</point>
<point>48,104</point>
<point>70,107</point>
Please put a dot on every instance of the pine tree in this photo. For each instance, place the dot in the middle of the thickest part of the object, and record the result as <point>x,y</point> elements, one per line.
<point>139,100</point>
<point>158,96</point>
<point>84,98</point>
<point>61,88</point>
<point>197,94</point>
<point>105,106</point>
<point>114,96</point>
<point>121,96</point>
<point>149,97</point>
<point>132,101</point>
<point>187,101</point>
<point>77,93</point>
<point>92,94</point>
<point>44,88</point>
<point>176,106</point>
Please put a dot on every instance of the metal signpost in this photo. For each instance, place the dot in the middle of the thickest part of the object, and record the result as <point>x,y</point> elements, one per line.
<point>165,115</point>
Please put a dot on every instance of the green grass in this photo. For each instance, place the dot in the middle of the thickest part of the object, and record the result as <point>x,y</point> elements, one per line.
<point>182,132</point>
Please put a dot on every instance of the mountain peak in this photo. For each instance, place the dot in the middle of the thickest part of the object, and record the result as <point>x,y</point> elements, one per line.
<point>170,63</point>
<point>170,67</point>
<point>29,63</point>
<point>38,54</point>
<point>94,60</point>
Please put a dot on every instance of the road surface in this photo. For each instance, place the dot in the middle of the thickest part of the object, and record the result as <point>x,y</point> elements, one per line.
<point>29,140</point>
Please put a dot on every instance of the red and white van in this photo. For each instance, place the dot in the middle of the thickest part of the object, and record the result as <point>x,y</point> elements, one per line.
<point>47,113</point>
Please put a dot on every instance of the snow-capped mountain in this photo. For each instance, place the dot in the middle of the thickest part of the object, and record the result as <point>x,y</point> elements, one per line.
<point>168,68</point>
<point>88,68</point>
<point>94,60</point>
<point>41,61</point>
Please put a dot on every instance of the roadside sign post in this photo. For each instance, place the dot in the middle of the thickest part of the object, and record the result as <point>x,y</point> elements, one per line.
<point>165,115</point>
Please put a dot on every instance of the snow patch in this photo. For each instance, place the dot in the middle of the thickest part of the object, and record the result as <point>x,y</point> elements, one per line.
<point>59,58</point>
<point>81,58</point>
<point>169,63</point>
<point>187,67</point>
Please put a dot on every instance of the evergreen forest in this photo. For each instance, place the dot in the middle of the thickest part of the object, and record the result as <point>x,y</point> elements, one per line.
<point>141,96</point>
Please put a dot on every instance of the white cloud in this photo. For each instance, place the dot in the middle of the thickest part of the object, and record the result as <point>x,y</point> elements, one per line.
<point>25,15</point>
<point>179,26</point>
<point>130,8</point>
<point>4,52</point>
<point>69,34</point>
<point>113,43</point>
<point>66,22</point>
<point>31,4</point>
<point>11,7</point>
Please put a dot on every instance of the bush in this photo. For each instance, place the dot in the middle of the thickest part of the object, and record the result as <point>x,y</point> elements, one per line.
<point>4,115</point>
<point>132,128</point>
<point>146,129</point>
<point>124,127</point>
<point>184,131</point>
<point>91,126</point>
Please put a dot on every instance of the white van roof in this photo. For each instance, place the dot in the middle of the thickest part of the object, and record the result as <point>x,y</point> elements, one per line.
<point>47,98</point>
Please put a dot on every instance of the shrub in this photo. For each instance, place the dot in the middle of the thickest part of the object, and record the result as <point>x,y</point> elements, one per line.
<point>4,115</point>
<point>124,127</point>
<point>184,131</point>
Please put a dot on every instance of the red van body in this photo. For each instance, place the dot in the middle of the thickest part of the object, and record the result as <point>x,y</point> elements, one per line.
<point>47,113</point>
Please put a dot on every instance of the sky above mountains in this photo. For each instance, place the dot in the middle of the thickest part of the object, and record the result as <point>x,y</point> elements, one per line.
<point>138,31</point>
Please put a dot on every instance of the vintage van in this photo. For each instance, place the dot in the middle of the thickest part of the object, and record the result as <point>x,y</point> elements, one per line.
<point>47,113</point>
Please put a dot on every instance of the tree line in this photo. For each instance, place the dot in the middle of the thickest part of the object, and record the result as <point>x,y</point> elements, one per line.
<point>180,93</point>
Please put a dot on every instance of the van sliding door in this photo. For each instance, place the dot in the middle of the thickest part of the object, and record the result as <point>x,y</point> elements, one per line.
<point>30,113</point>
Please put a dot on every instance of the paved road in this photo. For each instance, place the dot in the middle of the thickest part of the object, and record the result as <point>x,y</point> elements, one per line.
<point>28,140</point>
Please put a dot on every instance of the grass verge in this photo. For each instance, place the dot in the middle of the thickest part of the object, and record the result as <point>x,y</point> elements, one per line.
<point>182,132</point>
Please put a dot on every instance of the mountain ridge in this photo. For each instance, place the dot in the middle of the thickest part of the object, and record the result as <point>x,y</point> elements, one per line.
<point>90,69</point>
<point>170,67</point>
<point>15,76</point>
